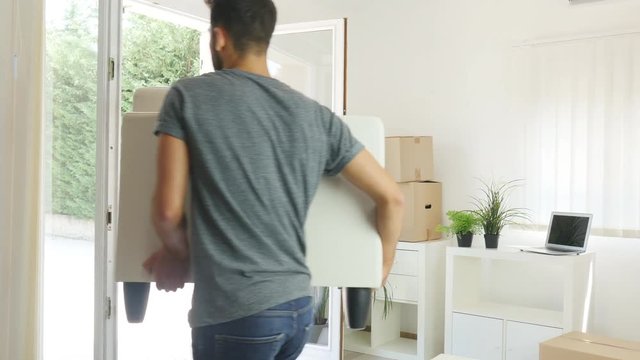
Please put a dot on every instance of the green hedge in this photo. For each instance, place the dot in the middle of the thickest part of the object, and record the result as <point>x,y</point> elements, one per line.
<point>154,53</point>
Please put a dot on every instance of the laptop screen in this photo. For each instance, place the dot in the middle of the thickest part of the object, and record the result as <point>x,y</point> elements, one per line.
<point>568,230</point>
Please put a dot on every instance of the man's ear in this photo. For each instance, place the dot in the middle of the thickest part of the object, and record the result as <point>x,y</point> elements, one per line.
<point>218,39</point>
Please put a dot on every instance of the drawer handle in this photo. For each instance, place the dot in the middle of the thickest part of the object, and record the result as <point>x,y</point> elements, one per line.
<point>428,206</point>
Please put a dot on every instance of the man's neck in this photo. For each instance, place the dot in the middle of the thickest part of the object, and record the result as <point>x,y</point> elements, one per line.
<point>252,63</point>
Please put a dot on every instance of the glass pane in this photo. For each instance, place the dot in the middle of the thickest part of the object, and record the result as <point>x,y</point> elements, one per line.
<point>304,61</point>
<point>165,333</point>
<point>156,53</point>
<point>70,178</point>
<point>320,330</point>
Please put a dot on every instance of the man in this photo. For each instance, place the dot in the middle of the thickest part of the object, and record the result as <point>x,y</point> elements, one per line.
<point>253,151</point>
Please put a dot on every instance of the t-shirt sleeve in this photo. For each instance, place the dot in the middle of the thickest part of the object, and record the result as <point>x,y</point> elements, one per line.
<point>343,147</point>
<point>171,117</point>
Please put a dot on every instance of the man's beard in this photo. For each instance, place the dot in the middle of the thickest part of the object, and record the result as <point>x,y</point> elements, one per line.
<point>217,61</point>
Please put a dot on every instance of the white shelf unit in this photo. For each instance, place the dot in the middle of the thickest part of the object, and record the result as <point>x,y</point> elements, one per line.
<point>501,303</point>
<point>417,281</point>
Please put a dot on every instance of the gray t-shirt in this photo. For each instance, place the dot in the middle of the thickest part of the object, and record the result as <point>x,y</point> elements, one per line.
<point>257,151</point>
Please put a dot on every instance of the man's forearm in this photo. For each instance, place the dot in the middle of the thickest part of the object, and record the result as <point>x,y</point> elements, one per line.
<point>367,175</point>
<point>173,235</point>
<point>389,223</point>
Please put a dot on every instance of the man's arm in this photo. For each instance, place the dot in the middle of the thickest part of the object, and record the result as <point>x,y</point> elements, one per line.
<point>168,200</point>
<point>367,175</point>
<point>170,264</point>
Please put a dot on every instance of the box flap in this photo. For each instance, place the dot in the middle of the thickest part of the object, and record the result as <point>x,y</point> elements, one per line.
<point>604,341</point>
<point>594,347</point>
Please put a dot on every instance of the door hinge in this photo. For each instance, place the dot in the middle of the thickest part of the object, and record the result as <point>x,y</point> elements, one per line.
<point>109,217</point>
<point>107,311</point>
<point>112,68</point>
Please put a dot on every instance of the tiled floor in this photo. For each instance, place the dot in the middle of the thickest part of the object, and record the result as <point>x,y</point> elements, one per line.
<point>349,355</point>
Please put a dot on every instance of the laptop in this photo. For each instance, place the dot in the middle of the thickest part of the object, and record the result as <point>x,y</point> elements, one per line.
<point>567,234</point>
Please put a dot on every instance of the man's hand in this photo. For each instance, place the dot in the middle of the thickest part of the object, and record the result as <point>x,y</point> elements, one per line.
<point>169,272</point>
<point>386,269</point>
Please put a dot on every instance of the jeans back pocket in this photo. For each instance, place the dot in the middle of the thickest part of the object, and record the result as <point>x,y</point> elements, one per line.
<point>248,348</point>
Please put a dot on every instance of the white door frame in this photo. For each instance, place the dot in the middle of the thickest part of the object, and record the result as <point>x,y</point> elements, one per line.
<point>107,153</point>
<point>338,28</point>
<point>333,350</point>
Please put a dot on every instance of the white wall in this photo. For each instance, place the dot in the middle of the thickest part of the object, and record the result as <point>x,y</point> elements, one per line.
<point>6,95</point>
<point>21,30</point>
<point>443,68</point>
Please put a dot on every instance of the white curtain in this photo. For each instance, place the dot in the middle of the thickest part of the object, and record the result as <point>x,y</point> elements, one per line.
<point>581,106</point>
<point>21,79</point>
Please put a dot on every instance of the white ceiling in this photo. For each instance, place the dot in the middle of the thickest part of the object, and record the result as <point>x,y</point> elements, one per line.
<point>189,13</point>
<point>195,8</point>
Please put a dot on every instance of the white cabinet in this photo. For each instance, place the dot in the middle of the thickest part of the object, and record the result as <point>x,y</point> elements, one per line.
<point>511,300</point>
<point>404,288</point>
<point>476,336</point>
<point>483,338</point>
<point>522,339</point>
<point>417,286</point>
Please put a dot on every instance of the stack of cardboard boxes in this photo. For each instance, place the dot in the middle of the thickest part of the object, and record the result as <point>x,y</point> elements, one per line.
<point>409,160</point>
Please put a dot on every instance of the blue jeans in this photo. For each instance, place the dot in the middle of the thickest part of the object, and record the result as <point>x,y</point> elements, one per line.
<point>278,333</point>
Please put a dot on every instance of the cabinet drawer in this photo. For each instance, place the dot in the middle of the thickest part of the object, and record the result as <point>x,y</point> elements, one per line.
<point>476,337</point>
<point>403,288</point>
<point>523,340</point>
<point>405,263</point>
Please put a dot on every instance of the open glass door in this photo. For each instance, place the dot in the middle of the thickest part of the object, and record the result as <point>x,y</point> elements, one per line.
<point>310,57</point>
<point>146,27</point>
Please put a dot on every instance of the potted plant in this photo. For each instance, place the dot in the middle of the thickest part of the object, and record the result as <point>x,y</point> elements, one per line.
<point>463,224</point>
<point>388,299</point>
<point>357,302</point>
<point>493,211</point>
<point>358,305</point>
<point>136,297</point>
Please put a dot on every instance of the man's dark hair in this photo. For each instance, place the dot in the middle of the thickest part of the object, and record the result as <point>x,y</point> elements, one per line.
<point>249,23</point>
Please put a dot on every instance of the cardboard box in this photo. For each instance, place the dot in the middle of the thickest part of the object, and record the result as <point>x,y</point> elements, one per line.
<point>409,158</point>
<point>581,346</point>
<point>422,210</point>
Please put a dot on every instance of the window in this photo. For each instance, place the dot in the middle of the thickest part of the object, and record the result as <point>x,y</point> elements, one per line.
<point>582,130</point>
